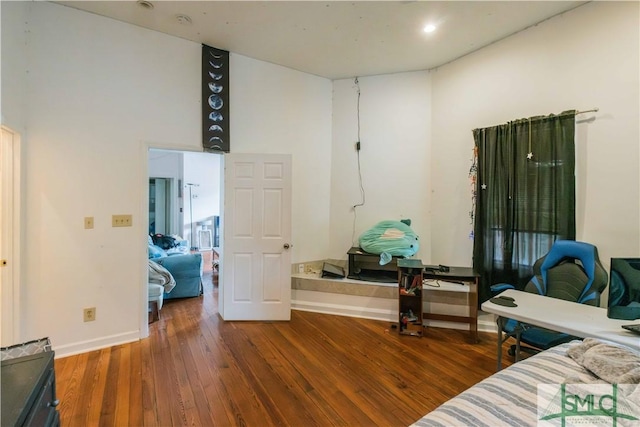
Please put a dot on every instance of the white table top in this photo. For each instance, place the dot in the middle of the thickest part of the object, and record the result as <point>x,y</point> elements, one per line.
<point>571,318</point>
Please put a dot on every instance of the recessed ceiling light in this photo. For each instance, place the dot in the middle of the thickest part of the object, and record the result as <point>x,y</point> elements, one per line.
<point>145,4</point>
<point>430,28</point>
<point>183,19</point>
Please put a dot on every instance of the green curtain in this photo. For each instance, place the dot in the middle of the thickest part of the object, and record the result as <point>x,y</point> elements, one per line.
<point>525,196</point>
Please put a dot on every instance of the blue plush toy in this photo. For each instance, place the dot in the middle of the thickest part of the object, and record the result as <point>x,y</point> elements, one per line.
<point>390,238</point>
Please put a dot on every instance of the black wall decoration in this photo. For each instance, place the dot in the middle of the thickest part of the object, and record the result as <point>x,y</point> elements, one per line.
<point>215,99</point>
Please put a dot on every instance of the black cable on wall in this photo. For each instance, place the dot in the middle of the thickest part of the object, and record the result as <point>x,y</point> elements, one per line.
<point>362,191</point>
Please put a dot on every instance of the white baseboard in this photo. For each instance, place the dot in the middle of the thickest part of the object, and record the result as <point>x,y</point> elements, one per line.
<point>95,344</point>
<point>371,308</point>
<point>344,305</point>
<point>344,310</point>
<point>487,323</point>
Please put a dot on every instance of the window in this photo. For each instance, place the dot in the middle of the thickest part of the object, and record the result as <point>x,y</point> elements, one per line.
<point>525,196</point>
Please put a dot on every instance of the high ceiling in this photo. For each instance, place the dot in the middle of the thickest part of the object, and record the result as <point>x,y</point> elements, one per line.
<point>339,39</point>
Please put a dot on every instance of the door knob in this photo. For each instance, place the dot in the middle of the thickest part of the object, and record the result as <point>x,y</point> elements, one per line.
<point>287,246</point>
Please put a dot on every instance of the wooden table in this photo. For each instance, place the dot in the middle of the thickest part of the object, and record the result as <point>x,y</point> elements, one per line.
<point>457,279</point>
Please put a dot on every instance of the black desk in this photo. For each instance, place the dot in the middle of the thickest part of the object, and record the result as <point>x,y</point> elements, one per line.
<point>366,266</point>
<point>29,391</point>
<point>467,276</point>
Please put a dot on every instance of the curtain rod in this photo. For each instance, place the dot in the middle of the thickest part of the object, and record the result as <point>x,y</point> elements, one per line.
<point>574,112</point>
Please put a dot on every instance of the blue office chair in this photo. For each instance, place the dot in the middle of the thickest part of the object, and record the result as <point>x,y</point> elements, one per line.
<point>570,271</point>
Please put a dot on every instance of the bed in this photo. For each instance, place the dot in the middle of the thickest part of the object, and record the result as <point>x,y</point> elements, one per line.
<point>510,397</point>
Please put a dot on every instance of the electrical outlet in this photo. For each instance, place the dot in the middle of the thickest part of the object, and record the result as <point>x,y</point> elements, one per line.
<point>88,222</point>
<point>89,314</point>
<point>121,220</point>
<point>300,268</point>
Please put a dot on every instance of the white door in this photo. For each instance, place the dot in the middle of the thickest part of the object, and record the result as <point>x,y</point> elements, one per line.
<point>255,264</point>
<point>9,232</point>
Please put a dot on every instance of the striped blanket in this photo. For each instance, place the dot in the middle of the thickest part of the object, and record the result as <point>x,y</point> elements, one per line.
<point>510,397</point>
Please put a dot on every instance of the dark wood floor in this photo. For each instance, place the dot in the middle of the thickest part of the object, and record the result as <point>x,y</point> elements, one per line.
<point>316,370</point>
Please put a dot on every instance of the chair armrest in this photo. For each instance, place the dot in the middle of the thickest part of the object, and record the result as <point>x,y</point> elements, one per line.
<point>187,265</point>
<point>499,287</point>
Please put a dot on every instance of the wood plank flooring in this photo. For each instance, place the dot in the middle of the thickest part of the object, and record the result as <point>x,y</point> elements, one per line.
<point>316,370</point>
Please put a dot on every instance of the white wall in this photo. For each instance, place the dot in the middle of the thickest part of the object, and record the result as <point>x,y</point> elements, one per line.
<point>166,164</point>
<point>395,157</point>
<point>98,94</point>
<point>170,164</point>
<point>202,169</point>
<point>586,58</point>
<point>281,111</point>
<point>90,102</point>
<point>13,38</point>
<point>417,144</point>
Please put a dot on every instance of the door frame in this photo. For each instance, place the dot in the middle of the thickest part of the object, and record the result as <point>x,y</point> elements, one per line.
<point>143,212</point>
<point>11,232</point>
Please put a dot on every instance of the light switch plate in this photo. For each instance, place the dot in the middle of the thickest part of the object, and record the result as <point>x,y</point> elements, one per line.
<point>121,221</point>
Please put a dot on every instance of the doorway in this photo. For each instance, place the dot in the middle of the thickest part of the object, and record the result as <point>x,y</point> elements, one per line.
<point>184,193</point>
<point>256,285</point>
<point>10,236</point>
<point>161,201</point>
<point>184,200</point>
